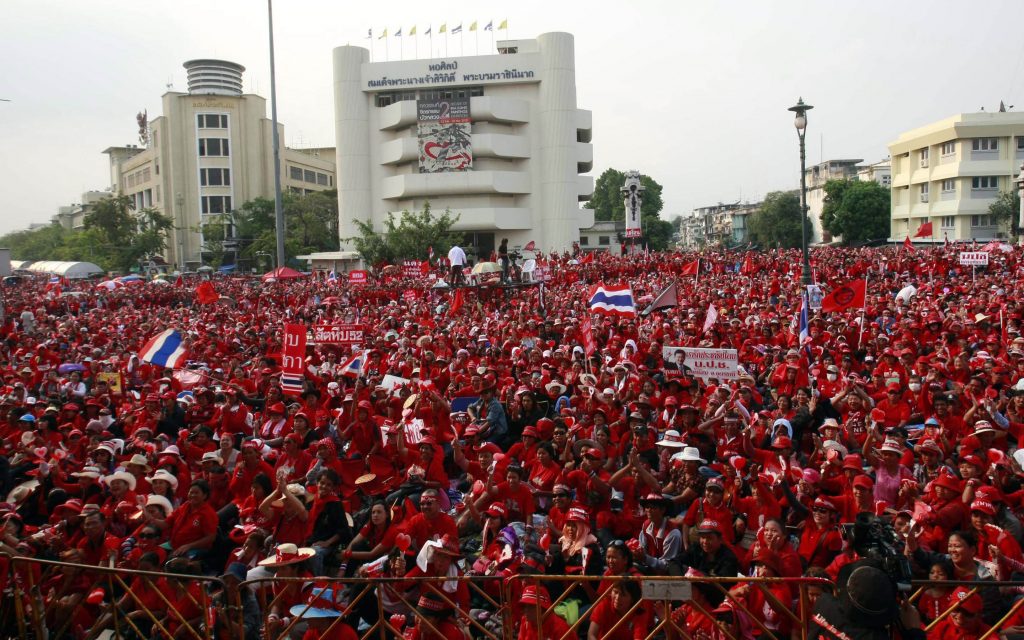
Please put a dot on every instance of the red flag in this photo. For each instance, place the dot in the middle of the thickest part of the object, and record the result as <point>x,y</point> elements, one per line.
<point>457,302</point>
<point>748,268</point>
<point>179,282</point>
<point>205,293</point>
<point>908,245</point>
<point>848,296</point>
<point>530,246</point>
<point>690,268</point>
<point>924,231</point>
<point>587,258</point>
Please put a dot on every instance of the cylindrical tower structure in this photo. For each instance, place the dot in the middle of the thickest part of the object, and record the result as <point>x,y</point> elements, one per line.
<point>558,200</point>
<point>214,77</point>
<point>352,141</point>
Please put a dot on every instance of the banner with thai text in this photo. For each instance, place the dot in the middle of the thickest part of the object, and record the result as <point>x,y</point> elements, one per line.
<point>445,142</point>
<point>721,364</point>
<point>342,334</point>
<point>293,359</point>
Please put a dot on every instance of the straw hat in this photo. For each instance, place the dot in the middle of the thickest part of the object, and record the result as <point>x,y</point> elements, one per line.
<point>286,554</point>
<point>121,474</point>
<point>162,502</point>
<point>166,476</point>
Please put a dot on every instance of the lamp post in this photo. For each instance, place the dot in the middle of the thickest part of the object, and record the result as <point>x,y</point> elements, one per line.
<point>801,109</point>
<point>278,208</point>
<point>1020,215</point>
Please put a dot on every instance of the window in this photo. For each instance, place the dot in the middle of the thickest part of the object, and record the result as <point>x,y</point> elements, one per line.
<point>212,121</point>
<point>448,94</point>
<point>584,241</point>
<point>985,144</point>
<point>1020,143</point>
<point>309,176</point>
<point>949,184</point>
<point>924,157</point>
<point>604,240</point>
<point>154,139</point>
<point>215,177</point>
<point>985,182</point>
<point>948,221</point>
<point>321,178</point>
<point>295,173</point>
<point>156,193</point>
<point>384,99</point>
<point>213,147</point>
<point>156,166</point>
<point>216,204</point>
<point>948,148</point>
<point>924,192</point>
<point>982,221</point>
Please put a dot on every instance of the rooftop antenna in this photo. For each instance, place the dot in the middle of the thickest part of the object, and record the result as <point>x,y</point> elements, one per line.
<point>170,83</point>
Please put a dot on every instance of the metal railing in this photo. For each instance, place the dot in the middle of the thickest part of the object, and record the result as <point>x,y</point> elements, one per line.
<point>46,600</point>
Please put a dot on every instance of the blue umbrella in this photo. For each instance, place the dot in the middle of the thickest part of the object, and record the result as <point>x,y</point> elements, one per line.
<point>68,367</point>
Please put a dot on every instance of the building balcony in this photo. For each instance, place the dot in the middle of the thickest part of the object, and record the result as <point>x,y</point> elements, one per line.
<point>426,185</point>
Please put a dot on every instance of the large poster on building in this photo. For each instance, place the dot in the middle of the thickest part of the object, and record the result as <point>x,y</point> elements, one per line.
<point>444,135</point>
<point>633,191</point>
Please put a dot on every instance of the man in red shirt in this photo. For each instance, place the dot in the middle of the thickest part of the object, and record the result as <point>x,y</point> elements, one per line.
<point>193,524</point>
<point>430,523</point>
<point>711,507</point>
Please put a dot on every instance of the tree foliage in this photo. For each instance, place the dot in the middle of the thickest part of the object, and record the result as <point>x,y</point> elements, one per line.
<point>410,238</point>
<point>608,203</point>
<point>114,236</point>
<point>1006,210</point>
<point>777,223</point>
<point>858,211</point>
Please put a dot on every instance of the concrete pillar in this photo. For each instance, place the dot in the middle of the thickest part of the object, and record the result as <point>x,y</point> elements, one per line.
<point>557,214</point>
<point>352,140</point>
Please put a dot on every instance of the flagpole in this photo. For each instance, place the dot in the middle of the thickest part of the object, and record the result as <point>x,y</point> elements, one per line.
<point>864,308</point>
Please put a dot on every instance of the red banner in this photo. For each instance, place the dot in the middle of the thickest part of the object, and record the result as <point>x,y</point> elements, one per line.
<point>357,277</point>
<point>589,344</point>
<point>338,334</point>
<point>293,359</point>
<point>409,295</point>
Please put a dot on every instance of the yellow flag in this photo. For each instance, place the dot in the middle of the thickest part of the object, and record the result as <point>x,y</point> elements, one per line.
<point>444,28</point>
<point>503,25</point>
<point>472,27</point>
<point>384,34</point>
<point>412,31</point>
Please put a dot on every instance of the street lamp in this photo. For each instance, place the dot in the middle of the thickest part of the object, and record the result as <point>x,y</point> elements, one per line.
<point>801,109</point>
<point>1020,215</point>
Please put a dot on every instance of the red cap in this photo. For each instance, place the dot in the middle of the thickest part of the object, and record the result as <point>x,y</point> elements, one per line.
<point>863,481</point>
<point>971,603</point>
<point>983,506</point>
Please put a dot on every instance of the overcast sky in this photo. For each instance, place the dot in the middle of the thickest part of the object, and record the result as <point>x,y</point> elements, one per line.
<point>692,93</point>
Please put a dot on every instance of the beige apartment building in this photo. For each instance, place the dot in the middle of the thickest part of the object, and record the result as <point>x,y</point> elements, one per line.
<point>950,171</point>
<point>210,151</point>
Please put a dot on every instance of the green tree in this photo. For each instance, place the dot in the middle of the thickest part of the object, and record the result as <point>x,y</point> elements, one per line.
<point>863,214</point>
<point>408,239</point>
<point>834,190</point>
<point>1006,210</point>
<point>113,218</point>
<point>777,222</point>
<point>608,203</point>
<point>35,244</point>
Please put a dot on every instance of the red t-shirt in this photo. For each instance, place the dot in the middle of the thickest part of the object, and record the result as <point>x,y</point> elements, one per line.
<point>634,628</point>
<point>189,524</point>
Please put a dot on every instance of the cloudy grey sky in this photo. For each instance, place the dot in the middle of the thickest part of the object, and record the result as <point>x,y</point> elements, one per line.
<point>692,93</point>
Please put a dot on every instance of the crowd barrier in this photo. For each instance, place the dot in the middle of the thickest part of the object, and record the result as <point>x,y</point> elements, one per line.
<point>53,600</point>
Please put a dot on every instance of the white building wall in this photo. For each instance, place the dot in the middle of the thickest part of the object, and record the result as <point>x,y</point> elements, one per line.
<point>525,183</point>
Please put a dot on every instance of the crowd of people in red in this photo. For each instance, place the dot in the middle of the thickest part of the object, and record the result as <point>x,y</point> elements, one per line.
<point>489,440</point>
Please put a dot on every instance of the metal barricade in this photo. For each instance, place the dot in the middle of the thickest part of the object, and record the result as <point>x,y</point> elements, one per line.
<point>52,614</point>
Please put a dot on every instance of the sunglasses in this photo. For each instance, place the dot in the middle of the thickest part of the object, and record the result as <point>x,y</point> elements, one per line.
<point>820,510</point>
<point>148,536</point>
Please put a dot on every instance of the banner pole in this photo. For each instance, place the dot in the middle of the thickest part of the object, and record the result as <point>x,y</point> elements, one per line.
<point>863,309</point>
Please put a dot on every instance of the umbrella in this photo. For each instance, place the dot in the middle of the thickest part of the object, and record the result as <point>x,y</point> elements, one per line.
<point>109,285</point>
<point>159,281</point>
<point>68,367</point>
<point>127,279</point>
<point>331,300</point>
<point>486,267</point>
<point>226,301</point>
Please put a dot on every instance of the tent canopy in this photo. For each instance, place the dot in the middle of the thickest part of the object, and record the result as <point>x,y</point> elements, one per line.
<point>69,270</point>
<point>283,273</point>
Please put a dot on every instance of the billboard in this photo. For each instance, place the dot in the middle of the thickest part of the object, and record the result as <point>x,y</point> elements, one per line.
<point>444,135</point>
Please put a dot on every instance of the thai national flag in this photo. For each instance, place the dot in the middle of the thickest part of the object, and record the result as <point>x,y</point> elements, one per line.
<point>353,367</point>
<point>332,276</point>
<point>164,350</point>
<point>804,332</point>
<point>612,300</point>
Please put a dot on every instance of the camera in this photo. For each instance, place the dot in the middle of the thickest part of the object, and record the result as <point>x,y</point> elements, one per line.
<point>875,539</point>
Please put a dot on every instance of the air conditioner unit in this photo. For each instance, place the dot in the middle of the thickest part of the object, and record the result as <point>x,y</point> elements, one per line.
<point>924,197</point>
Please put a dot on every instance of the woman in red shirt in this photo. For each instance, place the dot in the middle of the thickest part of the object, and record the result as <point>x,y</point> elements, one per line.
<point>514,494</point>
<point>821,540</point>
<point>611,612</point>
<point>193,524</point>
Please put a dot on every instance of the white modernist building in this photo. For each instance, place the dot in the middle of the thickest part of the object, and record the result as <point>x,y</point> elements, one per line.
<point>497,139</point>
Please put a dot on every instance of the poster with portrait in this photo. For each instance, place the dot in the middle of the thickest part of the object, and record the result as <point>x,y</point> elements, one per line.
<point>445,142</point>
<point>720,364</point>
